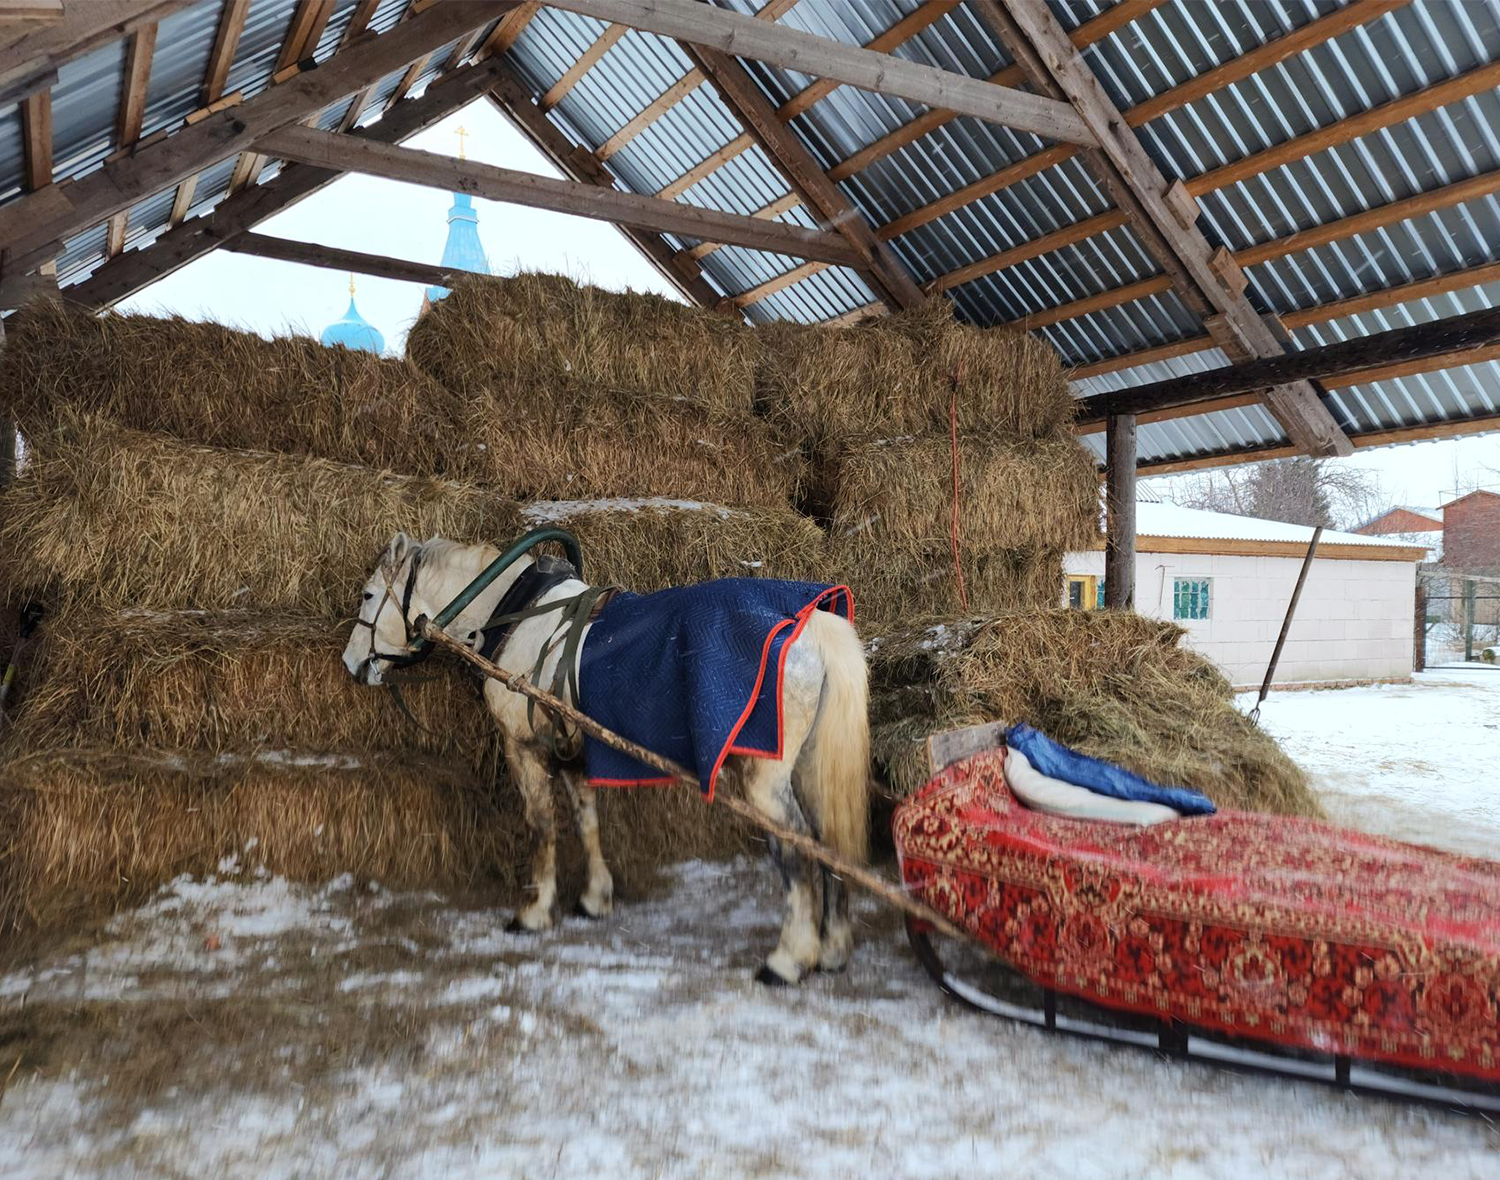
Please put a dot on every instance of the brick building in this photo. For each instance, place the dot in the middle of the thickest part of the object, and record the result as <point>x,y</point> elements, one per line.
<point>1471,533</point>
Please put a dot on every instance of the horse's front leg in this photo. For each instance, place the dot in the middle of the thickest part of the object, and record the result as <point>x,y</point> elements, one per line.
<point>529,771</point>
<point>768,785</point>
<point>599,895</point>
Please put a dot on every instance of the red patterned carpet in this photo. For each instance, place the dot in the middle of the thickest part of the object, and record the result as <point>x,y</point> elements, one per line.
<point>1283,929</point>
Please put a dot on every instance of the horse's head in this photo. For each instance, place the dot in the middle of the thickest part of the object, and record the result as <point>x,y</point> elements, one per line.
<point>392,601</point>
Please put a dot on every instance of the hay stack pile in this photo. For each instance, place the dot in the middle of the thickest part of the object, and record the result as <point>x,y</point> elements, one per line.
<point>882,408</point>
<point>1109,683</point>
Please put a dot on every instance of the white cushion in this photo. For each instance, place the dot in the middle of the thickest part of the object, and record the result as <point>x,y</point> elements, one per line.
<point>1042,792</point>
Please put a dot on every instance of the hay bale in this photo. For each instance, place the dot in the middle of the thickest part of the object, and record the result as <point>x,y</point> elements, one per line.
<point>208,384</point>
<point>898,375</point>
<point>1111,684</point>
<point>533,337</point>
<point>892,498</point>
<point>120,519</point>
<point>90,830</point>
<point>214,385</point>
<point>650,544</point>
<point>889,595</point>
<point>237,680</point>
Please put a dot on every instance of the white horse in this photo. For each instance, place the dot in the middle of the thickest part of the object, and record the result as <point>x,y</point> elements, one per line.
<point>819,786</point>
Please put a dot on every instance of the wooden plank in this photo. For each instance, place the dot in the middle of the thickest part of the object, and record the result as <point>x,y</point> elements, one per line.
<point>1438,339</point>
<point>743,36</point>
<point>221,56</point>
<point>1432,430</point>
<point>19,289</point>
<point>138,53</point>
<point>35,56</point>
<point>560,89</point>
<point>767,212</point>
<point>508,31</point>
<point>309,19</point>
<point>247,170</point>
<point>923,16</point>
<point>1242,547</point>
<point>36,139</point>
<point>333,258</point>
<point>513,100</point>
<point>1067,236</point>
<point>114,234</point>
<point>182,201</point>
<point>707,166</point>
<point>739,91</point>
<point>1141,289</point>
<point>1411,368</point>
<point>954,745</point>
<point>780,283</point>
<point>359,21</point>
<point>18,12</point>
<point>1119,507</point>
<point>187,241</point>
<point>1096,425</point>
<point>983,187</point>
<point>857,315</point>
<point>1143,356</point>
<point>328,150</point>
<point>1101,26</point>
<point>31,225</point>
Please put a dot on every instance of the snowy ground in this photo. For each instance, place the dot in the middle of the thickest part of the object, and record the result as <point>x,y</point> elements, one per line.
<point>251,1028</point>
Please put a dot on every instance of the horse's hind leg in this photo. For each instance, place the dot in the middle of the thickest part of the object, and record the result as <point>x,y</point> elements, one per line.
<point>599,895</point>
<point>768,785</point>
<point>529,770</point>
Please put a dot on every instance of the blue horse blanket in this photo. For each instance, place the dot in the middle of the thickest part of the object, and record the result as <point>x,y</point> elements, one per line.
<point>1058,761</point>
<point>694,673</point>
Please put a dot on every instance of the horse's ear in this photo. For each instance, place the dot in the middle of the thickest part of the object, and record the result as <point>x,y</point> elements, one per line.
<point>396,551</point>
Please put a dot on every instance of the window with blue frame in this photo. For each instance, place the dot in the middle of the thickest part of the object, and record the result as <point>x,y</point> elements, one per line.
<point>1099,601</point>
<point>1190,598</point>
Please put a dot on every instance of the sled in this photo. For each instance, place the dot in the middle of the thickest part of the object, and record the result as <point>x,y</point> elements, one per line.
<point>1266,943</point>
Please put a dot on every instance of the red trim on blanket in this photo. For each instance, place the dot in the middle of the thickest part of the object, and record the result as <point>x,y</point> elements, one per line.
<point>798,622</point>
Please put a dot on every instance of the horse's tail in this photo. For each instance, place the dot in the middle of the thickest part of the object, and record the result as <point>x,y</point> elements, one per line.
<point>836,776</point>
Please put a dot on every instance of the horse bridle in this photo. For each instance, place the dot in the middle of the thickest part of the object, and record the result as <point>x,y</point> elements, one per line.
<point>397,659</point>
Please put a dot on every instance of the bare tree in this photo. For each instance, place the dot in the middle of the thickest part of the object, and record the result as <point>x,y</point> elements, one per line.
<point>1301,490</point>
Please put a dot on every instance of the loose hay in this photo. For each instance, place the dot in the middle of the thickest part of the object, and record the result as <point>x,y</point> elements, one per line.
<point>118,519</point>
<point>1113,685</point>
<point>238,680</point>
<point>898,375</point>
<point>88,831</point>
<point>889,595</point>
<point>892,498</point>
<point>532,337</point>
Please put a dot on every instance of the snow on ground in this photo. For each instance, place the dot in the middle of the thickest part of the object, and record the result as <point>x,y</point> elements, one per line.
<point>248,1027</point>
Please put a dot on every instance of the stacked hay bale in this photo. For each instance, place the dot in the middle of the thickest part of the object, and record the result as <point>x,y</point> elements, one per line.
<point>199,509</point>
<point>918,429</point>
<point>1109,683</point>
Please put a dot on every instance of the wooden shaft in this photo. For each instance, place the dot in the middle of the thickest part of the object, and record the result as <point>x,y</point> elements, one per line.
<point>1419,630</point>
<point>1291,610</point>
<point>809,847</point>
<point>334,258</point>
<point>1119,498</point>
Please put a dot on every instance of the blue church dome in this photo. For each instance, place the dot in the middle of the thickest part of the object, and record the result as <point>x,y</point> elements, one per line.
<point>354,331</point>
<point>463,250</point>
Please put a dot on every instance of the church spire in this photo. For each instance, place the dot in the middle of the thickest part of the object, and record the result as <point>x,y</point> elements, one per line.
<point>353,330</point>
<point>463,249</point>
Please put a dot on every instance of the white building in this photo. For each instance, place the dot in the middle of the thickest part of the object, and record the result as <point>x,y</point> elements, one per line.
<point>1228,579</point>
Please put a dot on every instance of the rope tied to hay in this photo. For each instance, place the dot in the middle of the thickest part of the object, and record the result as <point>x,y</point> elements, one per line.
<point>958,569</point>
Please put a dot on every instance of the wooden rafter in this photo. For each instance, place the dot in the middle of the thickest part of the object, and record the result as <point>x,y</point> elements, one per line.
<point>309,19</point>
<point>30,226</point>
<point>513,100</point>
<point>31,60</point>
<point>769,212</point>
<point>1041,47</point>
<point>781,282</point>
<point>743,36</point>
<point>508,29</point>
<point>359,21</point>
<point>1263,57</point>
<point>707,166</point>
<point>780,143</point>
<point>325,149</point>
<point>215,77</point>
<point>36,137</point>
<point>602,44</point>
<point>334,258</point>
<point>680,89</point>
<point>139,51</point>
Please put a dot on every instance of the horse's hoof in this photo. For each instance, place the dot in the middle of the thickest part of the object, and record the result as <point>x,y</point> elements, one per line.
<point>768,977</point>
<point>514,926</point>
<point>581,911</point>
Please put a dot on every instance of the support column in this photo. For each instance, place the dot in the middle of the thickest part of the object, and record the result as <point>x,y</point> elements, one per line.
<point>1468,621</point>
<point>7,434</point>
<point>1119,512</point>
<point>1419,631</point>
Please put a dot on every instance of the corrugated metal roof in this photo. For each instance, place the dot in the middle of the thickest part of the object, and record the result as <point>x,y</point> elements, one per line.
<point>1372,63</point>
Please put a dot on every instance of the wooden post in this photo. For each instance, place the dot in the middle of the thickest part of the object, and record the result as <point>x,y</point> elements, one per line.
<point>1419,631</point>
<point>1119,500</point>
<point>1468,620</point>
<point>1286,623</point>
<point>7,434</point>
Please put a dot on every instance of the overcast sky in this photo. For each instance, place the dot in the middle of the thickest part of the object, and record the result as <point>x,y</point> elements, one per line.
<point>407,221</point>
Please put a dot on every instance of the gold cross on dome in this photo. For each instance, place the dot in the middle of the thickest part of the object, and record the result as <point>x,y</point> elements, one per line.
<point>461,133</point>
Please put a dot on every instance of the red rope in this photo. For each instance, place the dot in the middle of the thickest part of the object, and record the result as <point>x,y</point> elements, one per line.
<point>958,569</point>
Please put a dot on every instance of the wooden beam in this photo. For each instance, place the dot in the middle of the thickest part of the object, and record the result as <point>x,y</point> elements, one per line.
<point>513,100</point>
<point>707,166</point>
<point>28,12</point>
<point>923,16</point>
<point>587,60</point>
<point>983,187</point>
<point>508,29</point>
<point>333,258</point>
<point>309,19</point>
<point>359,21</point>
<point>1208,281</point>
<point>190,240</point>
<point>31,226</point>
<point>767,212</point>
<point>1112,18</point>
<point>36,137</point>
<point>114,234</point>
<point>1119,507</point>
<point>744,36</point>
<point>138,53</point>
<point>18,290</point>
<point>221,56</point>
<point>1440,338</point>
<point>1067,236</point>
<point>32,59</point>
<point>780,283</point>
<point>324,149</point>
<point>748,102</point>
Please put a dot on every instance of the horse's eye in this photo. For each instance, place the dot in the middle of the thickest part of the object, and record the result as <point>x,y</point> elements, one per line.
<point>369,594</point>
